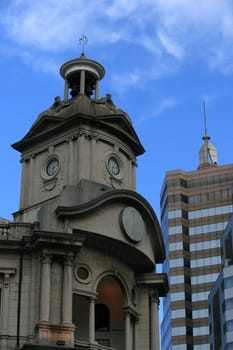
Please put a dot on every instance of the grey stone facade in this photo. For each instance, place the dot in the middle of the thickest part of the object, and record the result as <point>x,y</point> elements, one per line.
<point>77,265</point>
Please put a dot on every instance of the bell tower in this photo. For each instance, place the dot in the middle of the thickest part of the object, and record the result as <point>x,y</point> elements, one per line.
<point>82,77</point>
<point>86,244</point>
<point>79,138</point>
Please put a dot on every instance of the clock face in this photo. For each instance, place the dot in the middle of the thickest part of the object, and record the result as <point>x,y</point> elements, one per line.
<point>113,166</point>
<point>52,167</point>
<point>132,224</point>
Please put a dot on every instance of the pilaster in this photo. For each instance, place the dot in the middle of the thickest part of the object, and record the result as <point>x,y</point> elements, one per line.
<point>45,287</point>
<point>127,331</point>
<point>67,290</point>
<point>154,305</point>
<point>92,320</point>
<point>6,273</point>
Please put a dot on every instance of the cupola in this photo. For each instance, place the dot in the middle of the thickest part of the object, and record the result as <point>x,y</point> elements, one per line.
<point>82,77</point>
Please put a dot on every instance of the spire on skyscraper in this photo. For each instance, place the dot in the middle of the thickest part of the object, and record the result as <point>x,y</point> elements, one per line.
<point>208,152</point>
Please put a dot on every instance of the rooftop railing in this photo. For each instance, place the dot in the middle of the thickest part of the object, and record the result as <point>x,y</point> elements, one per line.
<point>15,231</point>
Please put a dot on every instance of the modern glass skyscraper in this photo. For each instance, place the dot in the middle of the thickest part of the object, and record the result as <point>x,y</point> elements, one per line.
<point>221,297</point>
<point>195,209</point>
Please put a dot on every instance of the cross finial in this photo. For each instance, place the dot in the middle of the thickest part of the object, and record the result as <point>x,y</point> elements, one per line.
<point>83,42</point>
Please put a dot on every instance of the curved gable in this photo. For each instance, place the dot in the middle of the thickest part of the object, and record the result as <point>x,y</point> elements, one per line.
<point>107,208</point>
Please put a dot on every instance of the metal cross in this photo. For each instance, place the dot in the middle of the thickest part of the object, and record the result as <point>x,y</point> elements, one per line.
<point>83,42</point>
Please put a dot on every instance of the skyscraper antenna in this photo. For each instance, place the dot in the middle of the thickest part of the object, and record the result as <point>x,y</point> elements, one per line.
<point>83,42</point>
<point>207,153</point>
<point>204,118</point>
<point>205,137</point>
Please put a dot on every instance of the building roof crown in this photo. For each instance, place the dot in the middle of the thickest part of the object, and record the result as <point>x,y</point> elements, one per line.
<point>208,152</point>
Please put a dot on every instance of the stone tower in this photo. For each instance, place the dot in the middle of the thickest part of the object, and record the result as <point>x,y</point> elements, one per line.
<point>78,264</point>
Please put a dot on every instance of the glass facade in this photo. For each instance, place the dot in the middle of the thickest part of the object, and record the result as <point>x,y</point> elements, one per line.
<point>221,297</point>
<point>195,209</point>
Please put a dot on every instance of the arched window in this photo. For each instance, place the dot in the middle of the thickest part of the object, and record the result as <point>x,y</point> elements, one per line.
<point>109,317</point>
<point>102,319</point>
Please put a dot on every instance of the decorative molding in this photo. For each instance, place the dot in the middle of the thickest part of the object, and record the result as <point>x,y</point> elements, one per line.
<point>7,271</point>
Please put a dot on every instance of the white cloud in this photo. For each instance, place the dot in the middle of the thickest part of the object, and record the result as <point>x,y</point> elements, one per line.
<point>168,43</point>
<point>41,26</point>
<point>200,28</point>
<point>165,104</point>
<point>122,8</point>
<point>172,31</point>
<point>127,80</point>
<point>140,76</point>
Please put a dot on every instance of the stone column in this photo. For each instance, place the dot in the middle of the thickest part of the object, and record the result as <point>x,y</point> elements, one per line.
<point>97,90</point>
<point>70,161</point>
<point>135,333</point>
<point>4,313</point>
<point>31,184</point>
<point>83,154</point>
<point>23,183</point>
<point>66,91</point>
<point>93,158</point>
<point>155,341</point>
<point>128,335</point>
<point>67,290</point>
<point>82,82</point>
<point>45,287</point>
<point>92,320</point>
<point>5,304</point>
<point>24,198</point>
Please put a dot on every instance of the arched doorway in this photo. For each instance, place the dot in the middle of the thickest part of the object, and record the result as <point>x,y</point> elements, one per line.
<point>109,317</point>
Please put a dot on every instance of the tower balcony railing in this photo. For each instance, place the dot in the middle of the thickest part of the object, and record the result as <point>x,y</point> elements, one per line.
<point>4,231</point>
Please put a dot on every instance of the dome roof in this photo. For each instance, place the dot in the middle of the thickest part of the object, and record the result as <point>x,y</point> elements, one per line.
<point>83,104</point>
<point>82,80</point>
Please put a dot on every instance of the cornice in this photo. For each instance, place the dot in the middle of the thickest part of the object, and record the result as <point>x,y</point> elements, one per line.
<point>129,197</point>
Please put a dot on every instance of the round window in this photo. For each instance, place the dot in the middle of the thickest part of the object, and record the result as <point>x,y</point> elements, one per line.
<point>82,273</point>
<point>113,166</point>
<point>52,167</point>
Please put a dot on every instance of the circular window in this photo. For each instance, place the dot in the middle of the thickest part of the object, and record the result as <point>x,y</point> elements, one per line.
<point>83,273</point>
<point>52,167</point>
<point>132,224</point>
<point>113,166</point>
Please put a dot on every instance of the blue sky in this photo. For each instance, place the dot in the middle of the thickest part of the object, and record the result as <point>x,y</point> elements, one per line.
<point>162,59</point>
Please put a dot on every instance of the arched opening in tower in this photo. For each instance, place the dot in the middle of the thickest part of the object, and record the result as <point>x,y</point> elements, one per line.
<point>109,317</point>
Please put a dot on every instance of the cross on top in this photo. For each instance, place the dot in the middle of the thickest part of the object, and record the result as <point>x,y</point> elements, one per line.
<point>83,42</point>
